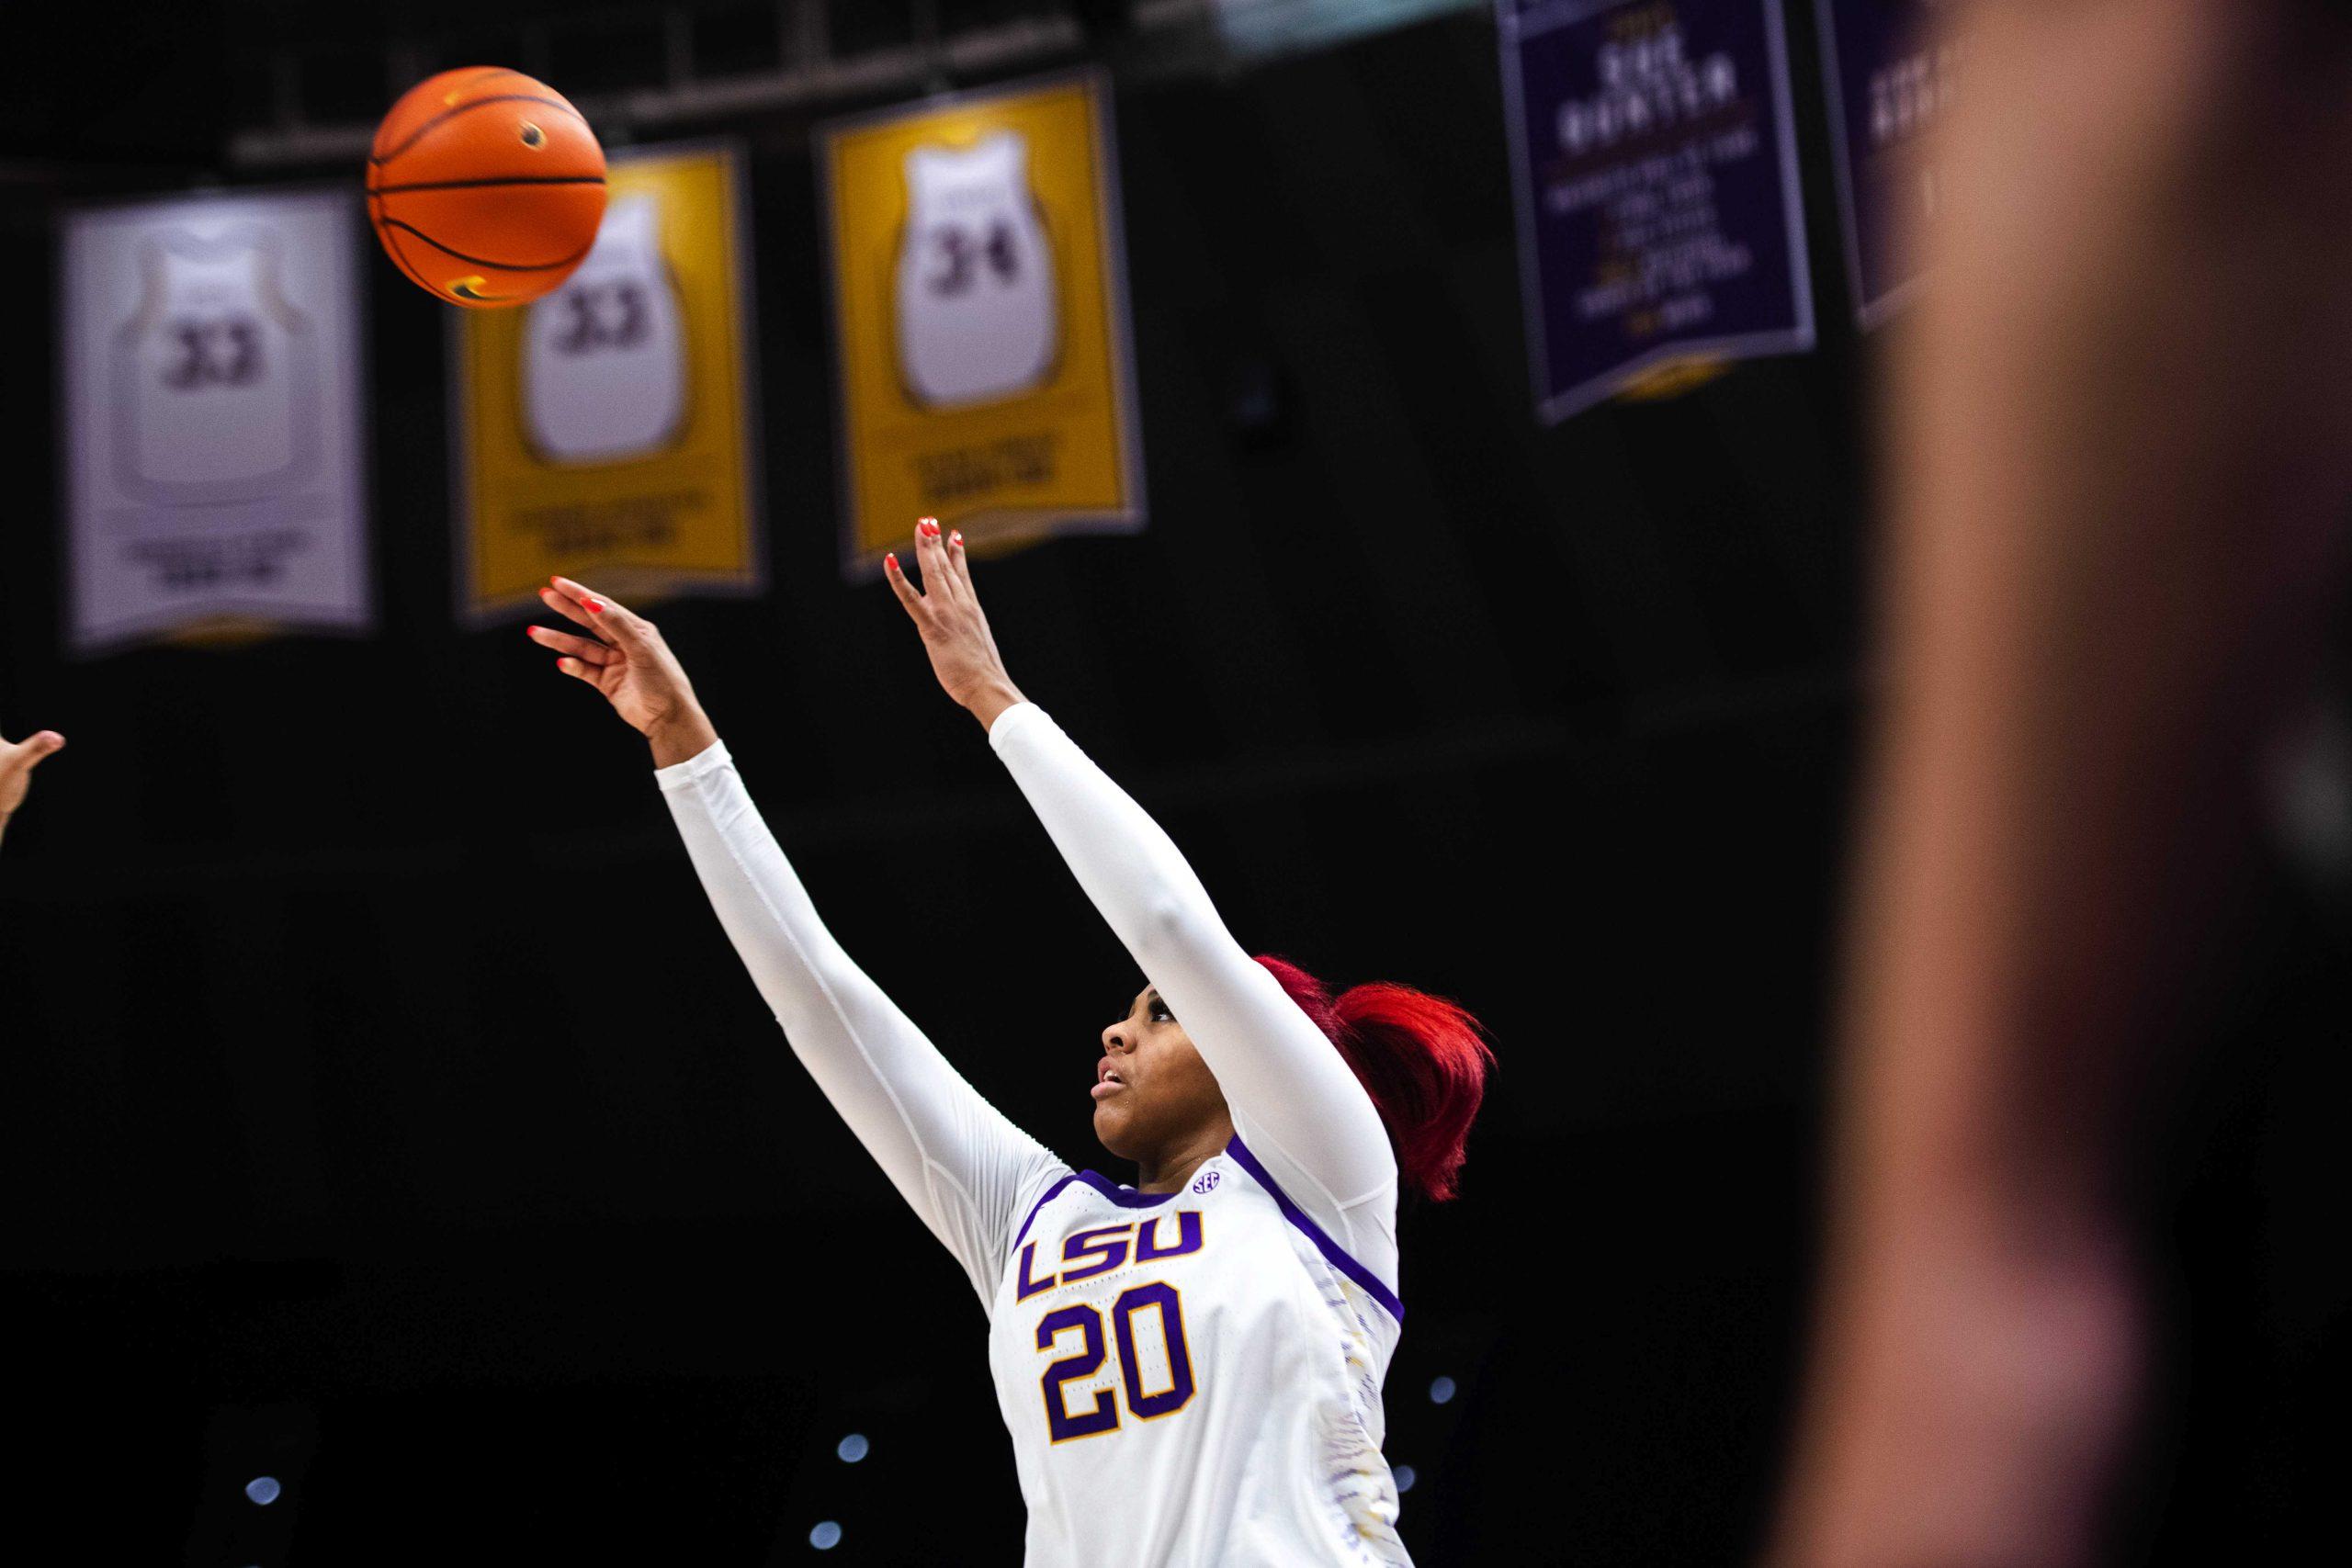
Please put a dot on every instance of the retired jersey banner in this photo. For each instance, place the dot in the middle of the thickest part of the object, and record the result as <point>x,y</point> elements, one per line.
<point>1661,226</point>
<point>215,468</point>
<point>981,305</point>
<point>1889,77</point>
<point>605,431</point>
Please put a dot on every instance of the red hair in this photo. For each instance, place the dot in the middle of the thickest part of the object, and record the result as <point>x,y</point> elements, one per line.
<point>1422,1059</point>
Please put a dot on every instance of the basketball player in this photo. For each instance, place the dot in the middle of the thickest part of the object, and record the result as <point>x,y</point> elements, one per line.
<point>2120,486</point>
<point>17,761</point>
<point>1190,1366</point>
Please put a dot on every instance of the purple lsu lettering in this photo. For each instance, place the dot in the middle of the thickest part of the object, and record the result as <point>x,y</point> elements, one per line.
<point>1085,1255</point>
<point>1098,1251</point>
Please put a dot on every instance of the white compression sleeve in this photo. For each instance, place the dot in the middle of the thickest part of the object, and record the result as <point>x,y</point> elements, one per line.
<point>965,1168</point>
<point>1294,1100</point>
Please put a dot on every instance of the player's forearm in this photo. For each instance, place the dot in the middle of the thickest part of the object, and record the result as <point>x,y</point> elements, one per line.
<point>1277,1070</point>
<point>2117,492</point>
<point>843,1025</point>
<point>2117,488</point>
<point>801,971</point>
<point>955,1159</point>
<point>1131,871</point>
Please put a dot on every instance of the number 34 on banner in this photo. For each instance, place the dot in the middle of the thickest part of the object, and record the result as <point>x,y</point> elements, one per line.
<point>980,308</point>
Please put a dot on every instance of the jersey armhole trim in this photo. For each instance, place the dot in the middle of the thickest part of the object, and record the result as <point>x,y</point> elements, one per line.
<point>1126,1197</point>
<point>1333,1253</point>
<point>1022,1234</point>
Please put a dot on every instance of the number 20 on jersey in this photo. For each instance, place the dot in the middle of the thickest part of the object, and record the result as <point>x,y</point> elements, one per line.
<point>1143,1317</point>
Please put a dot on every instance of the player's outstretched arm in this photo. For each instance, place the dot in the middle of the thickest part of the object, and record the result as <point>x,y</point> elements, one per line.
<point>2119,482</point>
<point>966,1169</point>
<point>1293,1099</point>
<point>17,761</point>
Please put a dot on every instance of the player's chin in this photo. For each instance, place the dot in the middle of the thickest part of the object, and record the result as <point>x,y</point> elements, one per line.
<point>1114,1126</point>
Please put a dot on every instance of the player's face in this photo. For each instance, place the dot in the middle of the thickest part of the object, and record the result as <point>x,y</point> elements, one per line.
<point>1152,1088</point>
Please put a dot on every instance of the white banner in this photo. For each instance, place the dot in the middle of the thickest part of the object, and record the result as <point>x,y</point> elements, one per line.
<point>214,459</point>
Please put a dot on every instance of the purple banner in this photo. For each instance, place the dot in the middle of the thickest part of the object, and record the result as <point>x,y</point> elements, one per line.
<point>1660,218</point>
<point>1888,81</point>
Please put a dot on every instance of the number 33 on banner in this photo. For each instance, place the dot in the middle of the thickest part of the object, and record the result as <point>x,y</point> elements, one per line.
<point>606,430</point>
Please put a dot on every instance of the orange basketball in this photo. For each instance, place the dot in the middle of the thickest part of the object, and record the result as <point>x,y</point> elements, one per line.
<point>485,186</point>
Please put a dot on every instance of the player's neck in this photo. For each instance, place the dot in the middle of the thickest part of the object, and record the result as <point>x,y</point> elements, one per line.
<point>1167,1170</point>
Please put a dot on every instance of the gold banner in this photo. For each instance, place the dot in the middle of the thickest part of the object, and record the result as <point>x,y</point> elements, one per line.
<point>980,313</point>
<point>604,432</point>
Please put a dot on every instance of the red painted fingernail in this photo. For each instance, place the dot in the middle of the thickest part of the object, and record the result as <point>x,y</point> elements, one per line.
<point>595,606</point>
<point>928,527</point>
<point>956,537</point>
<point>890,562</point>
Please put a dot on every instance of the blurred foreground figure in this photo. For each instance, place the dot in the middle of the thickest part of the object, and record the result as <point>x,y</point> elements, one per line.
<point>17,761</point>
<point>2122,433</point>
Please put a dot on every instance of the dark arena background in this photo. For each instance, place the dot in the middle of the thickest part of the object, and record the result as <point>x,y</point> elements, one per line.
<point>388,1115</point>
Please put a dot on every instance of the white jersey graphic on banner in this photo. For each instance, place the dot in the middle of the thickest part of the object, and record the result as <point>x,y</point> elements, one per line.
<point>977,315</point>
<point>605,356</point>
<point>216,456</point>
<point>215,375</point>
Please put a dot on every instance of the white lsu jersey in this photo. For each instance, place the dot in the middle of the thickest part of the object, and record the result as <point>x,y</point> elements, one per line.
<point>1171,1366</point>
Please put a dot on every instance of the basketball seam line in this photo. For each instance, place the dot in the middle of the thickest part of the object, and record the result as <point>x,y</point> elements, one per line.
<point>392,244</point>
<point>502,180</point>
<point>484,261</point>
<point>400,257</point>
<point>414,136</point>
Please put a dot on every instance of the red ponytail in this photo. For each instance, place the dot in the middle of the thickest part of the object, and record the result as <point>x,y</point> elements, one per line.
<point>1422,1058</point>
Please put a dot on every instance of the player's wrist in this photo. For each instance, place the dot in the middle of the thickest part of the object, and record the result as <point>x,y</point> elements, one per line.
<point>680,736</point>
<point>991,699</point>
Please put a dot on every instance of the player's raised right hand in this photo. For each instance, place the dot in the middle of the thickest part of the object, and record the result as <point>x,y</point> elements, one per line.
<point>626,659</point>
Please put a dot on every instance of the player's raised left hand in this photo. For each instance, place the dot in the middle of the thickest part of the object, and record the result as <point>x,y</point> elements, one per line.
<point>626,659</point>
<point>17,761</point>
<point>946,611</point>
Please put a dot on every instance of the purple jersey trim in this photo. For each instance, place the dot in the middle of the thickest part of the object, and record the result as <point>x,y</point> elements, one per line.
<point>1332,1252</point>
<point>1126,1197</point>
<point>1040,1203</point>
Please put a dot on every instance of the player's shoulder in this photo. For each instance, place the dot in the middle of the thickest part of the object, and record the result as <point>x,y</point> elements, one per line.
<point>1048,1180</point>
